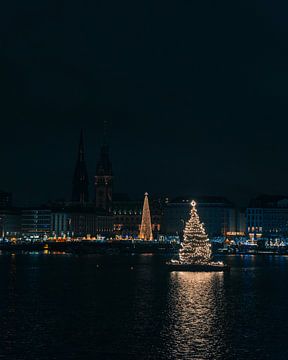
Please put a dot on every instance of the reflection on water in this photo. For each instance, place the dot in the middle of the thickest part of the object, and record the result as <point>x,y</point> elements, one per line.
<point>195,301</point>
<point>9,320</point>
<point>91,307</point>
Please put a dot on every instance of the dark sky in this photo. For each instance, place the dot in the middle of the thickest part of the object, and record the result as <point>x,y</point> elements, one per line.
<point>195,92</point>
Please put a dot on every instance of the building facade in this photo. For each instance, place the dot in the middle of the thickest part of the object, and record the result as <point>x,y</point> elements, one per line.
<point>267,216</point>
<point>128,216</point>
<point>60,224</point>
<point>5,200</point>
<point>10,222</point>
<point>217,214</point>
<point>75,221</point>
<point>36,222</point>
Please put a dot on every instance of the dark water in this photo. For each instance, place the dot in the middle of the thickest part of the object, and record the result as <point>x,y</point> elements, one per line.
<point>65,307</point>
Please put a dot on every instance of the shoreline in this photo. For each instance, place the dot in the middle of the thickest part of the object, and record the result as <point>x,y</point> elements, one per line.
<point>117,247</point>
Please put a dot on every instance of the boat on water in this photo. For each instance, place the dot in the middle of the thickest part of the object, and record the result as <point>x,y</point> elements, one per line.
<point>209,267</point>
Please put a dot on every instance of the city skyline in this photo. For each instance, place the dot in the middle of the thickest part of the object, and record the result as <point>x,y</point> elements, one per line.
<point>144,180</point>
<point>61,186</point>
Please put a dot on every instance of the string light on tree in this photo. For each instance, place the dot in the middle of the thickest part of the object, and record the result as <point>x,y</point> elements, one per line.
<point>196,247</point>
<point>195,253</point>
<point>146,225</point>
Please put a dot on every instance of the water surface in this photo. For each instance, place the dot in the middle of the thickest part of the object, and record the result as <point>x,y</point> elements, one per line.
<point>129,307</point>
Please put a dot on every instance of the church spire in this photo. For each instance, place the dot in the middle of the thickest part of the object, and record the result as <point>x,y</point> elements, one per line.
<point>80,191</point>
<point>146,226</point>
<point>104,175</point>
<point>81,147</point>
<point>105,137</point>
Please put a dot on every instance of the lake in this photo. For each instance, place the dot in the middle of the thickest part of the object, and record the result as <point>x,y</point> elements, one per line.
<point>60,306</point>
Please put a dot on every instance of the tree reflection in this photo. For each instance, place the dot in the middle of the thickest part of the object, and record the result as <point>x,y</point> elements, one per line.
<point>194,324</point>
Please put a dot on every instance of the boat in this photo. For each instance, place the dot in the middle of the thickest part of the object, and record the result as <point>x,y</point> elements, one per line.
<point>209,267</point>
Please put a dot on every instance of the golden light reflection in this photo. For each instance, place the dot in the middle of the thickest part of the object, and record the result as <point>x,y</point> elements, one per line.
<point>195,300</point>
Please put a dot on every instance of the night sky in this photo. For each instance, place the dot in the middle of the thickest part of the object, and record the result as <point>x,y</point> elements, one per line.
<point>195,93</point>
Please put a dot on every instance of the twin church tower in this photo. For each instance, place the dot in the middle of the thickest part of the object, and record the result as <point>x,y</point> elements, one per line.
<point>104,191</point>
<point>103,179</point>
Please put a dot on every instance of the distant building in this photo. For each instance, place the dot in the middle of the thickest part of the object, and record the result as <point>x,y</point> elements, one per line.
<point>92,224</point>
<point>80,192</point>
<point>10,222</point>
<point>237,224</point>
<point>80,221</point>
<point>217,213</point>
<point>36,222</point>
<point>61,223</point>
<point>5,200</point>
<point>127,215</point>
<point>267,216</point>
<point>104,180</point>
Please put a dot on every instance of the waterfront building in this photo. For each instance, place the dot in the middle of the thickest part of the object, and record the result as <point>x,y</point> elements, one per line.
<point>10,217</point>
<point>36,222</point>
<point>91,224</point>
<point>5,199</point>
<point>10,222</point>
<point>60,223</point>
<point>80,192</point>
<point>127,215</point>
<point>267,216</point>
<point>80,221</point>
<point>217,213</point>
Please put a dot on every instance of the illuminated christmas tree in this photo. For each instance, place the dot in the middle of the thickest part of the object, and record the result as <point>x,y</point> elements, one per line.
<point>146,226</point>
<point>196,248</point>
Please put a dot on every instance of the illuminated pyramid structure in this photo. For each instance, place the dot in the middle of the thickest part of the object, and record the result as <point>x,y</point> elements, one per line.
<point>196,247</point>
<point>146,226</point>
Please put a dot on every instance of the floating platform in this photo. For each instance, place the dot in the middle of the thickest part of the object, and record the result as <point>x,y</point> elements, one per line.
<point>213,267</point>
